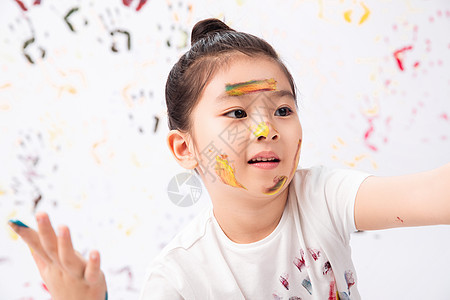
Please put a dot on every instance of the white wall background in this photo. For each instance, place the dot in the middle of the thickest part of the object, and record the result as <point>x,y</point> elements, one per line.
<point>78,135</point>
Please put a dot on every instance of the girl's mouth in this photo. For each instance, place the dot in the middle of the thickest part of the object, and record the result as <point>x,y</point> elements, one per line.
<point>264,163</point>
<point>265,160</point>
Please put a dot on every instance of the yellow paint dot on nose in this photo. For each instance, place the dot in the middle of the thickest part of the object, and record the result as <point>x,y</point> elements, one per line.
<point>261,130</point>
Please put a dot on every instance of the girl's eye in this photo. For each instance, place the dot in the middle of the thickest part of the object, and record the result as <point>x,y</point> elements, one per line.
<point>283,112</point>
<point>238,114</point>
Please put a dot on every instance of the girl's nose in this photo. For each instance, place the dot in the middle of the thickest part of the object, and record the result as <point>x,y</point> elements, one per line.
<point>265,131</point>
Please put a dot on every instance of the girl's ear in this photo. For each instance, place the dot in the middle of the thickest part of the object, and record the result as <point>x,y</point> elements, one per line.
<point>179,145</point>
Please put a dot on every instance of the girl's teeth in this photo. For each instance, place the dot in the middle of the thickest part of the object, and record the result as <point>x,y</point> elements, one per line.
<point>263,159</point>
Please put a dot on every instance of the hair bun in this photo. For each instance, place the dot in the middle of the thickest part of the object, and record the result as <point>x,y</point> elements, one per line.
<point>206,27</point>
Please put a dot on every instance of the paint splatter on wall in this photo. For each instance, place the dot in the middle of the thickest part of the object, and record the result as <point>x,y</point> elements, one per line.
<point>82,113</point>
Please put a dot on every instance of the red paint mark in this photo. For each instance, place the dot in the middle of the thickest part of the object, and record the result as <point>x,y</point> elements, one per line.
<point>398,55</point>
<point>444,116</point>
<point>300,262</point>
<point>314,253</point>
<point>367,135</point>
<point>394,27</point>
<point>21,5</point>
<point>141,4</point>
<point>37,2</point>
<point>44,287</point>
<point>416,64</point>
<point>431,19</point>
<point>398,218</point>
<point>439,13</point>
<point>387,82</point>
<point>284,281</point>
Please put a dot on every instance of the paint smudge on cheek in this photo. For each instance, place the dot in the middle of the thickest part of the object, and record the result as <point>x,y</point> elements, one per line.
<point>261,130</point>
<point>251,86</point>
<point>279,183</point>
<point>226,172</point>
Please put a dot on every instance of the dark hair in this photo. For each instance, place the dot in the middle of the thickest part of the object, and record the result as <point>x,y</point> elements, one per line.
<point>210,40</point>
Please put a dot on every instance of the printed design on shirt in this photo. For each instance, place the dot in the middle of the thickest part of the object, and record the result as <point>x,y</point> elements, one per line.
<point>327,268</point>
<point>314,253</point>
<point>284,281</point>
<point>306,283</point>
<point>276,297</point>
<point>317,263</point>
<point>343,296</point>
<point>300,262</point>
<point>333,295</point>
<point>349,279</point>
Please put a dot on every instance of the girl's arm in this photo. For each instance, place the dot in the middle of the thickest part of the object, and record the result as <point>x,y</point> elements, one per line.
<point>67,275</point>
<point>409,200</point>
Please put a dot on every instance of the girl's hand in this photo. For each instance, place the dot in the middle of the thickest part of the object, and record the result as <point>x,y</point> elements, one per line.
<point>67,275</point>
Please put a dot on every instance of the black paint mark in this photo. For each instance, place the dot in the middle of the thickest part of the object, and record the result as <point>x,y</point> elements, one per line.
<point>27,56</point>
<point>156,123</point>
<point>124,32</point>
<point>66,18</point>
<point>36,201</point>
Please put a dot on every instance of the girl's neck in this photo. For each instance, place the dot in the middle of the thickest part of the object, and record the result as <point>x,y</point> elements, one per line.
<point>247,222</point>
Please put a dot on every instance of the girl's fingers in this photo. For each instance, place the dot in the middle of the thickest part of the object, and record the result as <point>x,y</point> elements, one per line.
<point>47,236</point>
<point>68,257</point>
<point>40,262</point>
<point>93,273</point>
<point>31,238</point>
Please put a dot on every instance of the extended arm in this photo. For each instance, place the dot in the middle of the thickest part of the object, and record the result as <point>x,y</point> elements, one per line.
<point>410,200</point>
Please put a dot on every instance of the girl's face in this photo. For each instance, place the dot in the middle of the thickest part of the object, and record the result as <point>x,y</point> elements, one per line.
<point>246,131</point>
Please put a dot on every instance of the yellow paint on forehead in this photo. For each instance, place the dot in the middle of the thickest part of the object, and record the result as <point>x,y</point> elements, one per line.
<point>242,88</point>
<point>226,172</point>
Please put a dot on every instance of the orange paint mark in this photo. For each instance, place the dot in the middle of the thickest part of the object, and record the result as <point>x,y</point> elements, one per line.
<point>226,172</point>
<point>6,85</point>
<point>242,88</point>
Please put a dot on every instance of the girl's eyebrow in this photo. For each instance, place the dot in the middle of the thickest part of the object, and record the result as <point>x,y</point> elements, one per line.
<point>278,94</point>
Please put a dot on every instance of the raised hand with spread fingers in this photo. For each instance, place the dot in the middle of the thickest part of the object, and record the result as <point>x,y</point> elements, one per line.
<point>67,275</point>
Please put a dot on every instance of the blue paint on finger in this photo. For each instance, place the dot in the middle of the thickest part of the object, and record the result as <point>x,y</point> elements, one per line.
<point>18,223</point>
<point>106,295</point>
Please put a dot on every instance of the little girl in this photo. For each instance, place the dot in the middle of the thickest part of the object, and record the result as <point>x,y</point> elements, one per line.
<point>273,232</point>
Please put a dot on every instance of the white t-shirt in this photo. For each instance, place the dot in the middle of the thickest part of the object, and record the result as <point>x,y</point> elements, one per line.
<point>307,256</point>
